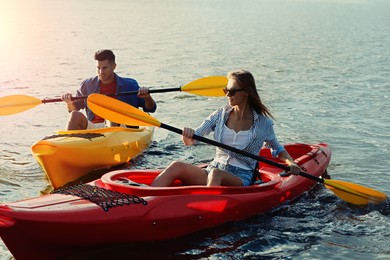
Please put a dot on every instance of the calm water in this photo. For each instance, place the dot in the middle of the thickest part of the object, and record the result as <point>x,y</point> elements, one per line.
<point>322,67</point>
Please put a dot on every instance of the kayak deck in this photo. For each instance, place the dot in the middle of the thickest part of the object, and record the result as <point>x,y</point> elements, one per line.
<point>69,155</point>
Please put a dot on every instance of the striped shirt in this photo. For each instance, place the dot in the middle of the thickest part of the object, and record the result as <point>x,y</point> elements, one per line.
<point>261,132</point>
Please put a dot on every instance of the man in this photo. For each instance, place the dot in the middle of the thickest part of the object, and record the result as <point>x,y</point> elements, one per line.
<point>108,83</point>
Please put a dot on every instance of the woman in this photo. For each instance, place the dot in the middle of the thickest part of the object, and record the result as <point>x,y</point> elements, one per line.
<point>245,123</point>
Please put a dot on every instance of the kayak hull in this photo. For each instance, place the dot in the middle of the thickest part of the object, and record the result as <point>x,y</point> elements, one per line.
<point>56,225</point>
<point>69,155</point>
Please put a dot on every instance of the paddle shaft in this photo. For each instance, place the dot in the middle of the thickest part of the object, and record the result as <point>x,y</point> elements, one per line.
<point>114,95</point>
<point>233,149</point>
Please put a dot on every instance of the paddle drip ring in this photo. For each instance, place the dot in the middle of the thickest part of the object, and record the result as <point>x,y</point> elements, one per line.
<point>104,198</point>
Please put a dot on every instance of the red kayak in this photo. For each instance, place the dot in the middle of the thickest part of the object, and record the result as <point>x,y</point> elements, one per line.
<point>121,208</point>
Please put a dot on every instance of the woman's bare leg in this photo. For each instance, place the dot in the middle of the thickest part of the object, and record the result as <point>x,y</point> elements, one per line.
<point>218,177</point>
<point>186,173</point>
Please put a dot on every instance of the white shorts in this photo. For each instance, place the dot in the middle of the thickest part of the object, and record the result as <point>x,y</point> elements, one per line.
<point>97,125</point>
<point>106,123</point>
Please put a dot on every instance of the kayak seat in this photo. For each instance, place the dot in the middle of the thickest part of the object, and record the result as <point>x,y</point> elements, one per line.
<point>130,182</point>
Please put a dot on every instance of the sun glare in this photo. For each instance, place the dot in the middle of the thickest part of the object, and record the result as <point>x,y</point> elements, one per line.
<point>6,28</point>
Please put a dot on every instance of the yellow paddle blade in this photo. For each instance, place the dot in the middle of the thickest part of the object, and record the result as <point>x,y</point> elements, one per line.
<point>119,112</point>
<point>207,86</point>
<point>17,103</point>
<point>354,193</point>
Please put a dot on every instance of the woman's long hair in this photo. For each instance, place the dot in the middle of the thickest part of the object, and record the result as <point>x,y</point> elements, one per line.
<point>246,81</point>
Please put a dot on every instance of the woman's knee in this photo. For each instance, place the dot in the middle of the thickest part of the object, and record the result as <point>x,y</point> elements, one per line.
<point>176,165</point>
<point>174,169</point>
<point>167,176</point>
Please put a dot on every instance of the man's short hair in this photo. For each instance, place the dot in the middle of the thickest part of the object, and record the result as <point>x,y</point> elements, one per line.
<point>102,55</point>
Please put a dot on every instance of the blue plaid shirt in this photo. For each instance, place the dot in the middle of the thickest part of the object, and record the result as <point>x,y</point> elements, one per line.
<point>261,132</point>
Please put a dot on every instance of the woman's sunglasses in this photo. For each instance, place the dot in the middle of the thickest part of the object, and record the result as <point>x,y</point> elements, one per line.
<point>232,92</point>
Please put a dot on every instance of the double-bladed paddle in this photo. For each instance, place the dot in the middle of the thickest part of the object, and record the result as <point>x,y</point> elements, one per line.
<point>117,111</point>
<point>207,86</point>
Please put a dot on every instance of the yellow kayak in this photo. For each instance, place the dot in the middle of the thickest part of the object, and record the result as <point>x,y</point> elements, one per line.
<point>69,155</point>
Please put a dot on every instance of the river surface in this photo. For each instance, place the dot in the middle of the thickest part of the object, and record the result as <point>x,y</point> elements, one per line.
<point>321,66</point>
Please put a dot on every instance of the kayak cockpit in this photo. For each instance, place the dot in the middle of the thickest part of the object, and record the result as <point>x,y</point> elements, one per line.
<point>137,182</point>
